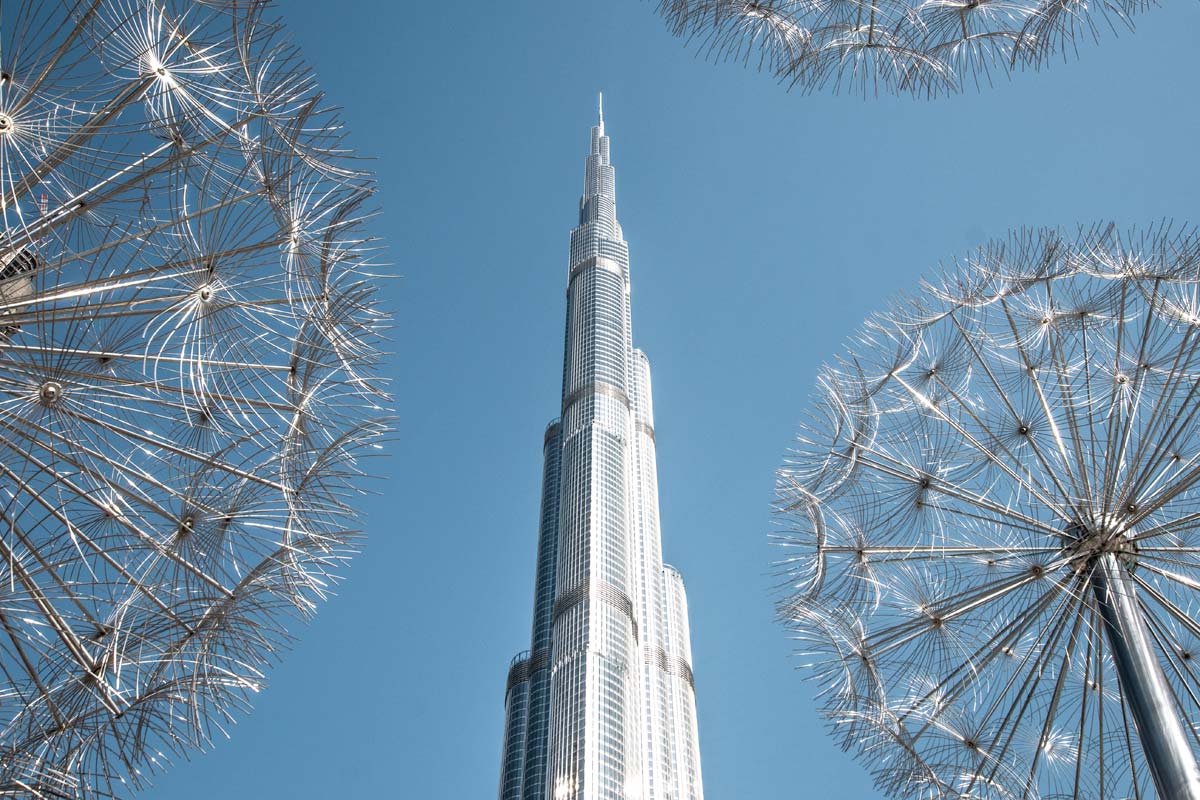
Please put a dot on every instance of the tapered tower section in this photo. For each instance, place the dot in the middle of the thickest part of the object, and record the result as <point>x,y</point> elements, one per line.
<point>602,705</point>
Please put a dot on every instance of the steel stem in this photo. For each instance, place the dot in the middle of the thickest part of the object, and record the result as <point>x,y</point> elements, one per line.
<point>1164,739</point>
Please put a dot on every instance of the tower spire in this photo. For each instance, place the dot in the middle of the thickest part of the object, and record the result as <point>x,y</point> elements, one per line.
<point>602,113</point>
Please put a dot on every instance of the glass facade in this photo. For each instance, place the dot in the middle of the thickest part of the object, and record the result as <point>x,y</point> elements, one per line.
<point>602,706</point>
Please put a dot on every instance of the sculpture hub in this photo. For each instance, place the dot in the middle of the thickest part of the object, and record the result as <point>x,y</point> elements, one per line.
<point>1088,540</point>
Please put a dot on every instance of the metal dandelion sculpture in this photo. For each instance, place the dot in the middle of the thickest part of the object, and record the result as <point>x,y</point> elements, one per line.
<point>187,355</point>
<point>907,47</point>
<point>993,518</point>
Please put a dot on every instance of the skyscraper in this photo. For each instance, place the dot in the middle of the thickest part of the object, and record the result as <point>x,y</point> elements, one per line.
<point>602,706</point>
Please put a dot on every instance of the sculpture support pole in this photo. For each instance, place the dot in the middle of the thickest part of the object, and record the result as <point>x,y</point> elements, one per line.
<point>1165,742</point>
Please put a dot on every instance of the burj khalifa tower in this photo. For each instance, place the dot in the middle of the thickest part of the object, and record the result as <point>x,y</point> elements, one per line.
<point>602,706</point>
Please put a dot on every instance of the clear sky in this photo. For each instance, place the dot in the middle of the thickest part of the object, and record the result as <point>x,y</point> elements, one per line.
<point>763,228</point>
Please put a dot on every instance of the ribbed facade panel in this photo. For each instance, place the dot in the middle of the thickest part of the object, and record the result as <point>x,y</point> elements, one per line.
<point>591,709</point>
<point>682,683</point>
<point>537,738</point>
<point>516,730</point>
<point>657,721</point>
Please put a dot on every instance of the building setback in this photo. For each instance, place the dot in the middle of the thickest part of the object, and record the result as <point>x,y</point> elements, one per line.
<point>602,706</point>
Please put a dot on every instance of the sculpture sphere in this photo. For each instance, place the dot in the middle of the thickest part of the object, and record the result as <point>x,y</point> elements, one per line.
<point>906,47</point>
<point>187,355</point>
<point>993,518</point>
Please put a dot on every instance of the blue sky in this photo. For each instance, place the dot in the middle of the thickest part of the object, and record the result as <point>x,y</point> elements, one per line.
<point>763,228</point>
